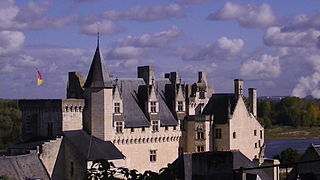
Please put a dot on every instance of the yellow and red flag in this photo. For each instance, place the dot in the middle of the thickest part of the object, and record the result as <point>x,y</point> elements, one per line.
<point>39,78</point>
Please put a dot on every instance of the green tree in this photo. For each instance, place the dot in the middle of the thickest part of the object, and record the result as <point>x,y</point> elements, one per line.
<point>288,156</point>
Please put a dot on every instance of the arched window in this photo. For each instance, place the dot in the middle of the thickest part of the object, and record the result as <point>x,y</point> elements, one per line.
<point>234,135</point>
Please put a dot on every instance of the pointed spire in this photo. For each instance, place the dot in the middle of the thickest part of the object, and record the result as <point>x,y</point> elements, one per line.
<point>96,75</point>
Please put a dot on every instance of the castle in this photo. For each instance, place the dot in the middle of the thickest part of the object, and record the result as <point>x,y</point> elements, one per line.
<point>140,123</point>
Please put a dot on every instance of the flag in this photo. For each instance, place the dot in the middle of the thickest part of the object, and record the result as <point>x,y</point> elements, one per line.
<point>39,78</point>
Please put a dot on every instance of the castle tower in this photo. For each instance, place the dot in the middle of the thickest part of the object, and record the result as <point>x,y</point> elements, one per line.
<point>98,99</point>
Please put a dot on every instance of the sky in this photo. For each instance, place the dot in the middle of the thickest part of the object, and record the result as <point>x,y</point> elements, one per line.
<point>272,45</point>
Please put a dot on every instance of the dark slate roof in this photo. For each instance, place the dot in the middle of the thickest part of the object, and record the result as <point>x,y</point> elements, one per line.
<point>316,148</point>
<point>134,116</point>
<point>166,116</point>
<point>218,105</point>
<point>22,167</point>
<point>99,149</point>
<point>213,165</point>
<point>96,75</point>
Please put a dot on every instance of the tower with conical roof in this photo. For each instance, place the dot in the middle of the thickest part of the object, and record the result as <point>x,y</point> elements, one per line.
<point>97,75</point>
<point>98,94</point>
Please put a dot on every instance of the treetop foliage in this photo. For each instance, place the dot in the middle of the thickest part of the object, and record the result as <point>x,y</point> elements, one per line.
<point>290,111</point>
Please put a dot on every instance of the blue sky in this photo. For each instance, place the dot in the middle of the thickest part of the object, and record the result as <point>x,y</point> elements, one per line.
<point>272,45</point>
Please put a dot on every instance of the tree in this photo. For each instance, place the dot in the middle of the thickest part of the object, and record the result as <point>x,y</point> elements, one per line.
<point>104,170</point>
<point>288,156</point>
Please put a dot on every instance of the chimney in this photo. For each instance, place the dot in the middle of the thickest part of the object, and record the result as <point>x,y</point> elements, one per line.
<point>173,77</point>
<point>253,101</point>
<point>238,87</point>
<point>146,73</point>
<point>202,76</point>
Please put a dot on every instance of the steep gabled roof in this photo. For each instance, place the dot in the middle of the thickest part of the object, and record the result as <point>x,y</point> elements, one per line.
<point>91,147</point>
<point>96,73</point>
<point>221,105</point>
<point>23,167</point>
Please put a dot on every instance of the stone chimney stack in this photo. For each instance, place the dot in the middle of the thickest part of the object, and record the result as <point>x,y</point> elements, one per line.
<point>146,73</point>
<point>238,87</point>
<point>253,101</point>
<point>173,77</point>
<point>202,76</point>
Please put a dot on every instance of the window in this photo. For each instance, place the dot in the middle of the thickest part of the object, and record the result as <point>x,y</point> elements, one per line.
<point>180,106</point>
<point>234,135</point>
<point>174,127</point>
<point>200,135</point>
<point>153,106</point>
<point>259,143</point>
<point>155,126</point>
<point>202,95</point>
<point>255,145</point>
<point>67,109</point>
<point>71,108</point>
<point>119,127</point>
<point>153,155</point>
<point>76,109</point>
<point>142,129</point>
<point>200,148</point>
<point>132,130</point>
<point>116,107</point>
<point>166,128</point>
<point>218,133</point>
<point>255,132</point>
<point>261,134</point>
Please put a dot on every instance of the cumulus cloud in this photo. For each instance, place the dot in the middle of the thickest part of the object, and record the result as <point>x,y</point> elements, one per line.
<point>223,49</point>
<point>140,46</point>
<point>266,68</point>
<point>309,85</point>
<point>158,39</point>
<point>125,52</point>
<point>247,16</point>
<point>10,41</point>
<point>274,36</point>
<point>32,16</point>
<point>138,13</point>
<point>104,28</point>
<point>303,22</point>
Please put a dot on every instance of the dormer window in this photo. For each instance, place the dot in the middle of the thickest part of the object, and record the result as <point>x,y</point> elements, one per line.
<point>155,126</point>
<point>119,127</point>
<point>180,106</point>
<point>117,108</point>
<point>153,106</point>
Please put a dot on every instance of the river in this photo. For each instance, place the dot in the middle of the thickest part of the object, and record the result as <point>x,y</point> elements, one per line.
<point>274,147</point>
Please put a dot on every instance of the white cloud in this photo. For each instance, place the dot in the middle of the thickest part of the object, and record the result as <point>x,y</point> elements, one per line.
<point>308,85</point>
<point>10,41</point>
<point>159,39</point>
<point>266,68</point>
<point>139,13</point>
<point>275,37</point>
<point>104,28</point>
<point>247,16</point>
<point>125,52</point>
<point>303,22</point>
<point>223,49</point>
<point>32,16</point>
